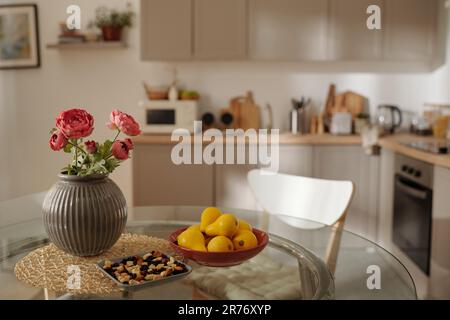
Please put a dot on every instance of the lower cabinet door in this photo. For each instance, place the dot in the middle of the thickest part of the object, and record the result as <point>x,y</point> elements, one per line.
<point>158,181</point>
<point>351,163</point>
<point>296,160</point>
<point>232,189</point>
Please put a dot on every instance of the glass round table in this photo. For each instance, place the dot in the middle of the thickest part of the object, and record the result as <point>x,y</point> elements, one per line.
<point>291,267</point>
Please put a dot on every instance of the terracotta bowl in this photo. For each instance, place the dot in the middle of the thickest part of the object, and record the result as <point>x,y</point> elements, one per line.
<point>220,259</point>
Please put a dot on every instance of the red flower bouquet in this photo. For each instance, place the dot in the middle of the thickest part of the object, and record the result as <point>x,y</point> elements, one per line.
<point>91,157</point>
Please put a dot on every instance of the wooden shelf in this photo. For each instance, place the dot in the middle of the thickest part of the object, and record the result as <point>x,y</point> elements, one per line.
<point>88,45</point>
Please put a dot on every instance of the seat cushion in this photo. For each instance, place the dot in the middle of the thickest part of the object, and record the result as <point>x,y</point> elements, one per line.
<point>258,278</point>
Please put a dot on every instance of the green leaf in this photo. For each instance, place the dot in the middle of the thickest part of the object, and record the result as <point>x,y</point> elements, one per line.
<point>106,149</point>
<point>97,156</point>
<point>98,167</point>
<point>68,148</point>
<point>112,164</point>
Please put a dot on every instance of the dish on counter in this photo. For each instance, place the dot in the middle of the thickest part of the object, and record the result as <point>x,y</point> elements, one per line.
<point>144,270</point>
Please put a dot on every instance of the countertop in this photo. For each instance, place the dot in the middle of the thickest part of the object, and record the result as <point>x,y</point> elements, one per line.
<point>285,139</point>
<point>394,143</point>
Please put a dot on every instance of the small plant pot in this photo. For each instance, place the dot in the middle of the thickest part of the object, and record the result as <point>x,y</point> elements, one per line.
<point>112,33</point>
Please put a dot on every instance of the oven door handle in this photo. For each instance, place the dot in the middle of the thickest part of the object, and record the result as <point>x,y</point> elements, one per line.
<point>411,191</point>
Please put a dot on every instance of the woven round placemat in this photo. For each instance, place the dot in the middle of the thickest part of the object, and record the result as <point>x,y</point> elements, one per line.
<point>47,267</point>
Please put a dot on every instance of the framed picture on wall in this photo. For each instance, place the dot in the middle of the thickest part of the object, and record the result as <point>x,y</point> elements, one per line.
<point>19,36</point>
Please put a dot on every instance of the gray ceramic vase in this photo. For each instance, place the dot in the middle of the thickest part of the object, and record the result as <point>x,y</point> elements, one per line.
<point>84,216</point>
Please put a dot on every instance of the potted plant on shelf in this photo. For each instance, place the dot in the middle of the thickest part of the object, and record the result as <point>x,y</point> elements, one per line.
<point>111,22</point>
<point>85,212</point>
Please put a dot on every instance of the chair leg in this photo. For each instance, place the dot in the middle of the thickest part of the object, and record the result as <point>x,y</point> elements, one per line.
<point>333,245</point>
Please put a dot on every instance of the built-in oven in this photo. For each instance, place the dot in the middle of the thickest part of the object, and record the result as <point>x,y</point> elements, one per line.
<point>413,210</point>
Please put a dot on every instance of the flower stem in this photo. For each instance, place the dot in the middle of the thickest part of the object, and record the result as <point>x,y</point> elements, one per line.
<point>115,138</point>
<point>76,155</point>
<point>77,147</point>
<point>117,135</point>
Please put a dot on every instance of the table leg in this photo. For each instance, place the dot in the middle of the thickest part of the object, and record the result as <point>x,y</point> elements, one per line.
<point>307,284</point>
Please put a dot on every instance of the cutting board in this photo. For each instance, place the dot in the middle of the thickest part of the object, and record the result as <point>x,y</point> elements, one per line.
<point>354,103</point>
<point>249,113</point>
<point>349,102</point>
<point>235,109</point>
<point>331,98</point>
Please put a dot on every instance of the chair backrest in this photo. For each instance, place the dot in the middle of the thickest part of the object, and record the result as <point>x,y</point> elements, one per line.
<point>324,201</point>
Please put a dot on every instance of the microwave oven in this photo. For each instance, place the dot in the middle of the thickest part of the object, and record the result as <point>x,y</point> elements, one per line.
<point>164,116</point>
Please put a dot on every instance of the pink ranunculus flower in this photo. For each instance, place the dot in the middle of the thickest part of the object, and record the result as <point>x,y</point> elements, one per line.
<point>91,146</point>
<point>124,122</point>
<point>75,123</point>
<point>58,141</point>
<point>129,143</point>
<point>121,150</point>
<point>114,120</point>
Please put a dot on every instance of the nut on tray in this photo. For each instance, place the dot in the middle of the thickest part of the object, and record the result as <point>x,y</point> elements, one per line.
<point>135,270</point>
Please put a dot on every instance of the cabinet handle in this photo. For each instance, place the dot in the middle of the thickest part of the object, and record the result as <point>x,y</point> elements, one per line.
<point>411,191</point>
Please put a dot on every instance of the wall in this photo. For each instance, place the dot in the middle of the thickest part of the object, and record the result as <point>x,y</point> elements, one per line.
<point>105,79</point>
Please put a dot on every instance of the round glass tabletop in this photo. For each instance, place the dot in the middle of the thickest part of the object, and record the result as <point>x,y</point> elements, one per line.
<point>291,267</point>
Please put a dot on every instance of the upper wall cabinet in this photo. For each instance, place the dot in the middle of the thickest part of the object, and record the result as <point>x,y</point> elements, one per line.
<point>410,29</point>
<point>287,29</point>
<point>220,29</point>
<point>194,29</point>
<point>293,30</point>
<point>166,28</point>
<point>349,37</point>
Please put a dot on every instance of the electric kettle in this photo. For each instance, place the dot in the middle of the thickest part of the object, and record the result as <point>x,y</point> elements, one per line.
<point>389,118</point>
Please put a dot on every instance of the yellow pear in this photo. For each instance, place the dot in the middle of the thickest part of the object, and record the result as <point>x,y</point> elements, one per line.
<point>207,240</point>
<point>192,239</point>
<point>209,215</point>
<point>226,225</point>
<point>220,244</point>
<point>244,239</point>
<point>244,225</point>
<point>194,227</point>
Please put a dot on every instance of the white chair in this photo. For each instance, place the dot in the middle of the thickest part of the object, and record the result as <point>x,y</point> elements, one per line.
<point>319,200</point>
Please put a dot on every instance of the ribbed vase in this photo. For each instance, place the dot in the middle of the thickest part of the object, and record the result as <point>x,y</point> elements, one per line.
<point>84,216</point>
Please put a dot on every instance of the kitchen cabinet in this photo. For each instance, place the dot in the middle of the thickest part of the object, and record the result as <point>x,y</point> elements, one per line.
<point>287,29</point>
<point>166,29</point>
<point>439,286</point>
<point>351,163</point>
<point>410,29</point>
<point>231,187</point>
<point>386,198</point>
<point>349,38</point>
<point>158,181</point>
<point>220,29</point>
<point>294,30</point>
<point>296,160</point>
